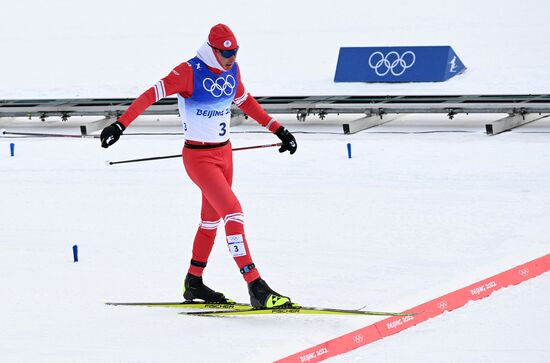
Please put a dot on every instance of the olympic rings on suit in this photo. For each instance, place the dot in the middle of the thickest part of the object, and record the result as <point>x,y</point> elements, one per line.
<point>220,86</point>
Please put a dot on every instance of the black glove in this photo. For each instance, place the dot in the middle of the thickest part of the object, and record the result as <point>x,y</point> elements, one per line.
<point>289,142</point>
<point>111,134</point>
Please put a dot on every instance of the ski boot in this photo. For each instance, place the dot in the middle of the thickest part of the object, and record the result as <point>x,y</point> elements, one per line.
<point>194,288</point>
<point>261,296</point>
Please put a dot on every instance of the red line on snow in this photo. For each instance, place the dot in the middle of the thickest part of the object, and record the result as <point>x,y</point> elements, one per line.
<point>428,310</point>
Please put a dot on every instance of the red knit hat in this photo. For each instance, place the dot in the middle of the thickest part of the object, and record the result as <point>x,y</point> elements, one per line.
<point>221,37</point>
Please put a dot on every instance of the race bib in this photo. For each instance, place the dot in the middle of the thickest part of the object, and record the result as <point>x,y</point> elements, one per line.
<point>236,245</point>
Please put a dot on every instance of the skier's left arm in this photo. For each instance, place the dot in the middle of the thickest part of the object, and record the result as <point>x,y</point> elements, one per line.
<point>250,106</point>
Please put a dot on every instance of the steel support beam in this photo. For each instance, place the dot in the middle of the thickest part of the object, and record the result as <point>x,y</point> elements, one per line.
<point>366,123</point>
<point>96,125</point>
<point>512,121</point>
<point>237,119</point>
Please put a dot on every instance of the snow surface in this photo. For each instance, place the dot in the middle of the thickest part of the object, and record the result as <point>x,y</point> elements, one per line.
<point>64,48</point>
<point>411,216</point>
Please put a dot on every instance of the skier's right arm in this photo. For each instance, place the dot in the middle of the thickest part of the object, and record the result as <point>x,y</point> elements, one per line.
<point>180,80</point>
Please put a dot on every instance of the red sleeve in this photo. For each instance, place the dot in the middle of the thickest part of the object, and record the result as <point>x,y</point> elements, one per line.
<point>180,80</point>
<point>252,108</point>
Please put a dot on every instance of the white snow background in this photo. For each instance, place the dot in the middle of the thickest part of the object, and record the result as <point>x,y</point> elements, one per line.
<point>411,216</point>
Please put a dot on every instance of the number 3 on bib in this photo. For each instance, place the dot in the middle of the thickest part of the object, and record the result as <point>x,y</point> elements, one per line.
<point>236,245</point>
<point>223,130</point>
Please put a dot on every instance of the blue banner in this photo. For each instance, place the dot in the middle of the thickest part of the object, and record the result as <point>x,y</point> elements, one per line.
<point>397,64</point>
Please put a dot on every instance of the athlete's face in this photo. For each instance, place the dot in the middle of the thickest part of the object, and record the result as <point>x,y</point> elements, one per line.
<point>226,63</point>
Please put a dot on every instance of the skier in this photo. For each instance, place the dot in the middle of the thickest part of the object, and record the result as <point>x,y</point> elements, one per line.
<point>206,85</point>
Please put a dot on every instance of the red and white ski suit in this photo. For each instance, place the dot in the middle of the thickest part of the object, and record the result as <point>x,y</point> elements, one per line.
<point>209,163</point>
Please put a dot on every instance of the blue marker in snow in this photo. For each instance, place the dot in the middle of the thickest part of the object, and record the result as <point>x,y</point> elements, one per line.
<point>12,149</point>
<point>349,150</point>
<point>75,253</point>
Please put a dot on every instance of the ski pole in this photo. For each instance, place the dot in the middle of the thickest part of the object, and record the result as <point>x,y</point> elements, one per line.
<point>179,155</point>
<point>4,132</point>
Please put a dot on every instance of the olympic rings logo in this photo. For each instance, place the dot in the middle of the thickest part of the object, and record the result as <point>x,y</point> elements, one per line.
<point>391,62</point>
<point>220,86</point>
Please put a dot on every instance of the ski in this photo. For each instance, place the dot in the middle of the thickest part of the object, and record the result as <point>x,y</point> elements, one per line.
<point>234,308</point>
<point>292,310</point>
<point>185,305</point>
